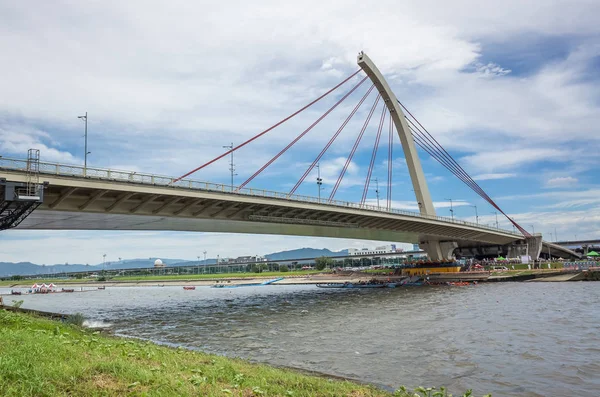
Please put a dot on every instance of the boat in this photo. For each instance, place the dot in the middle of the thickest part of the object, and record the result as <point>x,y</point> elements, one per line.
<point>68,290</point>
<point>268,282</point>
<point>189,287</point>
<point>103,287</point>
<point>15,292</point>
<point>350,285</point>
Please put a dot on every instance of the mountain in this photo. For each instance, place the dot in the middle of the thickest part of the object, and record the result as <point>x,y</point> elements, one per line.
<point>28,268</point>
<point>304,253</point>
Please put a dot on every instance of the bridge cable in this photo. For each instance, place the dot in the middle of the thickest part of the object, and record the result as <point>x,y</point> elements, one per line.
<point>285,149</point>
<point>373,156</point>
<point>444,158</point>
<point>431,151</point>
<point>356,143</point>
<point>333,138</point>
<point>268,129</point>
<point>390,162</point>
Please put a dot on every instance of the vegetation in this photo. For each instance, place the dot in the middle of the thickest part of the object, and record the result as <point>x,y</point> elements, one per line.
<point>166,277</point>
<point>323,262</point>
<point>40,357</point>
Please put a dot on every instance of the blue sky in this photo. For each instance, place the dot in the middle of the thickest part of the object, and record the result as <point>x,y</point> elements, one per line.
<point>512,90</point>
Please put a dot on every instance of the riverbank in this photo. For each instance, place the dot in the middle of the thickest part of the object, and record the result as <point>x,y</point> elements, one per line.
<point>312,278</point>
<point>47,358</point>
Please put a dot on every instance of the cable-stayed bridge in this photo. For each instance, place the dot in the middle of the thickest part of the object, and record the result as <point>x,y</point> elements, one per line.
<point>40,195</point>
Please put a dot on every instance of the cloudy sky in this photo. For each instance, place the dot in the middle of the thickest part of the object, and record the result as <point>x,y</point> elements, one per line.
<point>510,88</point>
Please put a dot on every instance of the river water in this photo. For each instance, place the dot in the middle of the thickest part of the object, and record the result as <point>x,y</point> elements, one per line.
<point>525,339</point>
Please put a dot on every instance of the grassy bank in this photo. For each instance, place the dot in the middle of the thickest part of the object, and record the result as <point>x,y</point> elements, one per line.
<point>40,357</point>
<point>160,277</point>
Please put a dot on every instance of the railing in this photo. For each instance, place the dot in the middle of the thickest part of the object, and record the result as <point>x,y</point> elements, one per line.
<point>161,180</point>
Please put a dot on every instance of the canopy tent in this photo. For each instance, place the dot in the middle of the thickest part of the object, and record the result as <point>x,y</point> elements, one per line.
<point>593,253</point>
<point>500,258</point>
<point>34,286</point>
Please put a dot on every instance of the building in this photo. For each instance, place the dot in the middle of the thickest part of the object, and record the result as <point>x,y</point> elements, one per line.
<point>381,250</point>
<point>158,263</point>
<point>247,259</point>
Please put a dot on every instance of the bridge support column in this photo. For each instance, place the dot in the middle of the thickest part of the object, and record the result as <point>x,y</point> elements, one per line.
<point>437,251</point>
<point>534,246</point>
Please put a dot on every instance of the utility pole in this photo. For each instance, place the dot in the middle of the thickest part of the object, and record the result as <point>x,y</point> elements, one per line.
<point>496,213</point>
<point>451,209</point>
<point>377,191</point>
<point>319,181</point>
<point>231,164</point>
<point>476,214</point>
<point>85,119</point>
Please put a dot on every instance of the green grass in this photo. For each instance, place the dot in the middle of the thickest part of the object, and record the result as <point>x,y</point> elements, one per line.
<point>165,277</point>
<point>39,357</point>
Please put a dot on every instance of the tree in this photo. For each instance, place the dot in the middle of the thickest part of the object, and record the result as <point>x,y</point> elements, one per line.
<point>283,268</point>
<point>323,262</point>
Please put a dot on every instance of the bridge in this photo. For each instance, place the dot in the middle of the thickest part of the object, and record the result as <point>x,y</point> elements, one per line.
<point>41,195</point>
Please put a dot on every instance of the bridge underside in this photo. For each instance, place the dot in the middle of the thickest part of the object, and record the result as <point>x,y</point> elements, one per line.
<point>91,204</point>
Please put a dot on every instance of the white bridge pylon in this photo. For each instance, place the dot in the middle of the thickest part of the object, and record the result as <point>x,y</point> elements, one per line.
<point>415,169</point>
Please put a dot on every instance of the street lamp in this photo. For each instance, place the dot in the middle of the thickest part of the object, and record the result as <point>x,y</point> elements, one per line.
<point>85,119</point>
<point>104,262</point>
<point>204,252</point>
<point>231,164</point>
<point>476,214</point>
<point>377,191</point>
<point>451,208</point>
<point>319,181</point>
<point>532,228</point>
<point>496,213</point>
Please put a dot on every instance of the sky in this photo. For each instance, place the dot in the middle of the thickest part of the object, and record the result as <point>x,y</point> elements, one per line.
<point>511,89</point>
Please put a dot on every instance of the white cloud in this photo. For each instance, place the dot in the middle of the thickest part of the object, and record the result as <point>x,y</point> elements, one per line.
<point>167,84</point>
<point>560,182</point>
<point>493,176</point>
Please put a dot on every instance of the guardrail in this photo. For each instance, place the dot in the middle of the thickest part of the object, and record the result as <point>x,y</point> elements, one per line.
<point>167,181</point>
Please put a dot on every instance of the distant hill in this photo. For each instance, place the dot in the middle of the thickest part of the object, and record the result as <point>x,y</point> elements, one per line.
<point>304,253</point>
<point>28,268</point>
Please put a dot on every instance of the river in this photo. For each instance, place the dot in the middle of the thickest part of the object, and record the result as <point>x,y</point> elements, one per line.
<point>526,339</point>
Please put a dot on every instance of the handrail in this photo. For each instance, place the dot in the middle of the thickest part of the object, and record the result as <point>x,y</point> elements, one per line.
<point>167,181</point>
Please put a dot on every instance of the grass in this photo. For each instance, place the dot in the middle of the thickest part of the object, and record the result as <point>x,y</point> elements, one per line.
<point>213,276</point>
<point>165,277</point>
<point>39,357</point>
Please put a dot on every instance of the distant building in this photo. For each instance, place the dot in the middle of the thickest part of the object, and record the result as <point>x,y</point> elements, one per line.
<point>159,263</point>
<point>416,247</point>
<point>381,250</point>
<point>247,259</point>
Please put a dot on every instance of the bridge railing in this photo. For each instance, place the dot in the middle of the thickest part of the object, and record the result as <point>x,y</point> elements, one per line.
<point>162,180</point>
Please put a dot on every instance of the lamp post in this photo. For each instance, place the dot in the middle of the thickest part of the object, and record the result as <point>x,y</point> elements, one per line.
<point>103,262</point>
<point>533,229</point>
<point>476,214</point>
<point>319,181</point>
<point>451,208</point>
<point>198,267</point>
<point>231,164</point>
<point>377,191</point>
<point>496,213</point>
<point>85,119</point>
<point>204,252</point>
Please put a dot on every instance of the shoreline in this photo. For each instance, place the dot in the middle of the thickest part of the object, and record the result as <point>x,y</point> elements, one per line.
<point>311,279</point>
<point>114,365</point>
